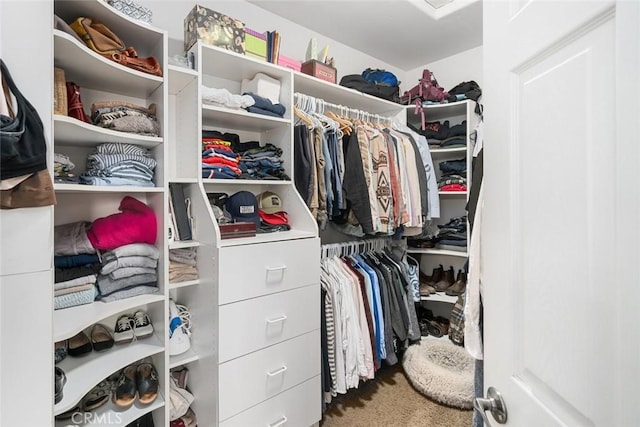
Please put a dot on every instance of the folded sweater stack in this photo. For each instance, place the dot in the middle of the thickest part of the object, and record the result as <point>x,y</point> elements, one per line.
<point>182,265</point>
<point>128,271</point>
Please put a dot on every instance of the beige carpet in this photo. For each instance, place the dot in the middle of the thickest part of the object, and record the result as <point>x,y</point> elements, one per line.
<point>390,400</point>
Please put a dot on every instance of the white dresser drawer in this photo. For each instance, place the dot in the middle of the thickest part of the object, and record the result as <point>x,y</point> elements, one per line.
<point>249,271</point>
<point>257,323</point>
<point>254,378</point>
<point>296,407</point>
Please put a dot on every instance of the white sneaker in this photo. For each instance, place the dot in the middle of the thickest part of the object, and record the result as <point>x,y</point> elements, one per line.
<point>179,329</point>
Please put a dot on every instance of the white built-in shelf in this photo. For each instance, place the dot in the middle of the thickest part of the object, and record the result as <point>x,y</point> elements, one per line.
<point>336,94</point>
<point>111,415</point>
<point>179,78</point>
<point>184,180</point>
<point>439,112</point>
<point>240,119</point>
<point>440,297</point>
<point>182,359</point>
<point>268,237</point>
<point>448,150</point>
<point>81,188</point>
<point>184,244</point>
<point>433,251</point>
<point>184,284</point>
<point>93,71</point>
<point>141,35</point>
<point>69,321</point>
<point>452,193</point>
<point>83,373</point>
<point>245,181</point>
<point>70,131</point>
<point>229,65</point>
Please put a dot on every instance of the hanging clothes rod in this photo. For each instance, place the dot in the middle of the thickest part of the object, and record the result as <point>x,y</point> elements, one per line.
<point>318,105</point>
<point>354,246</point>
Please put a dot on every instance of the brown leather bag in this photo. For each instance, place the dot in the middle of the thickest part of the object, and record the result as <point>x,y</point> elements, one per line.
<point>102,40</point>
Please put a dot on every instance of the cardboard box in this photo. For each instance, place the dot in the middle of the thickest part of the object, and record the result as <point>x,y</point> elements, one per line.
<point>319,70</point>
<point>213,28</point>
<point>291,63</point>
<point>255,44</point>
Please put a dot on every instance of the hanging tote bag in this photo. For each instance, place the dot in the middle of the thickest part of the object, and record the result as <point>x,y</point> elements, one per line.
<point>23,152</point>
<point>23,148</point>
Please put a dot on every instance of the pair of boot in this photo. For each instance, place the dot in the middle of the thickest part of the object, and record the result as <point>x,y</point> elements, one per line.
<point>442,280</point>
<point>436,326</point>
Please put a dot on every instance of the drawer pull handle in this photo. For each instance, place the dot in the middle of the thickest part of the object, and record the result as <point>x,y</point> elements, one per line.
<point>270,269</point>
<point>278,423</point>
<point>277,372</point>
<point>277,319</point>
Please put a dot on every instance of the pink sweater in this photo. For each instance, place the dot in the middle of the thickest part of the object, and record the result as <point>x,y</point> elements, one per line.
<point>135,224</point>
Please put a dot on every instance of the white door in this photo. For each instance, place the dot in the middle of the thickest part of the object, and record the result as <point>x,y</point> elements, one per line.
<point>560,231</point>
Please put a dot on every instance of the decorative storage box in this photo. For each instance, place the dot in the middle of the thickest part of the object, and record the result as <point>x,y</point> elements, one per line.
<point>213,28</point>
<point>287,62</point>
<point>255,44</point>
<point>319,70</point>
<point>132,10</point>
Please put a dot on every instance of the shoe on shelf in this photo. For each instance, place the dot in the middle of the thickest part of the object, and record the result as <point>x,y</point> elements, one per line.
<point>444,324</point>
<point>124,392</point>
<point>97,396</point>
<point>60,379</point>
<point>101,337</point>
<point>446,281</point>
<point>181,375</point>
<point>79,345</point>
<point>123,332</point>
<point>179,329</point>
<point>435,277</point>
<point>142,327</point>
<point>147,383</point>
<point>61,350</point>
<point>459,286</point>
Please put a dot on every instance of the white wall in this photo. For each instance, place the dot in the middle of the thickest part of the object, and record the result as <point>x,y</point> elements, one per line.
<point>450,71</point>
<point>170,14</point>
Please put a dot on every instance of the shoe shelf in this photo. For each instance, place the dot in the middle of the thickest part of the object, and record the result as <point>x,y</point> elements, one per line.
<point>232,118</point>
<point>73,132</point>
<point>431,251</point>
<point>440,297</point>
<point>88,68</point>
<point>178,244</point>
<point>110,414</point>
<point>69,321</point>
<point>183,359</point>
<point>84,372</point>
<point>452,193</point>
<point>184,284</point>
<point>448,150</point>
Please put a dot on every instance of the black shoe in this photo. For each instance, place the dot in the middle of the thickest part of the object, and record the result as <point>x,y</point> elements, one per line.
<point>147,383</point>
<point>59,380</point>
<point>79,345</point>
<point>125,389</point>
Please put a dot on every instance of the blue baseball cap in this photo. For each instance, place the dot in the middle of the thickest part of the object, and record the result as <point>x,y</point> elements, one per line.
<point>243,207</point>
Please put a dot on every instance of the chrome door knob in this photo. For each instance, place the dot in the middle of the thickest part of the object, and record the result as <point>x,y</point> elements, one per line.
<point>493,403</point>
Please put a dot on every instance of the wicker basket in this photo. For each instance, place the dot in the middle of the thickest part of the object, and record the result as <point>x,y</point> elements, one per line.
<point>59,92</point>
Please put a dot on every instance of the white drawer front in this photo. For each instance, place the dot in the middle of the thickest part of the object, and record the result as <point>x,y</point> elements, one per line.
<point>254,378</point>
<point>253,324</point>
<point>296,407</point>
<point>254,270</point>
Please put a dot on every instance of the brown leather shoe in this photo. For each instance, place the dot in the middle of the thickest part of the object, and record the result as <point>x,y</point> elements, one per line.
<point>444,324</point>
<point>446,282</point>
<point>459,286</point>
<point>436,276</point>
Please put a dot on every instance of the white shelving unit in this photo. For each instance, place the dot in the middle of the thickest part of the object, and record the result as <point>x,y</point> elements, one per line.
<point>452,203</point>
<point>101,79</point>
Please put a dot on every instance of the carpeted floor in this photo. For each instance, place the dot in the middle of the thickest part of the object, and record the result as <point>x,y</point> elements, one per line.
<point>389,401</point>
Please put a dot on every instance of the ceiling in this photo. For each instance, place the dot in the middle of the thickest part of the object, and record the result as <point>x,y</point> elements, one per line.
<point>404,33</point>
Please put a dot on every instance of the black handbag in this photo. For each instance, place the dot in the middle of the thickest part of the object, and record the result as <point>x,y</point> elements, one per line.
<point>23,148</point>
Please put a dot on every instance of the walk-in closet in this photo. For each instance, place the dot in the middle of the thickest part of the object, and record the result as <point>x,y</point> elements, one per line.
<point>241,213</point>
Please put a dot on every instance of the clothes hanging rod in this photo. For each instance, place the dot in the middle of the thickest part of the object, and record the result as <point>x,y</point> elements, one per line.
<point>318,105</point>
